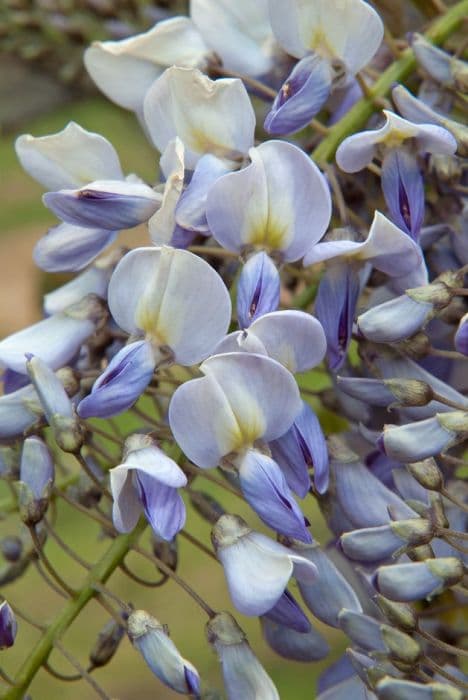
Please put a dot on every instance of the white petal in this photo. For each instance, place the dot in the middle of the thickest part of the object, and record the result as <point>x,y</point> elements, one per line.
<point>242,398</point>
<point>124,70</point>
<point>209,116</point>
<point>71,158</point>
<point>357,151</point>
<point>203,422</point>
<point>155,463</point>
<point>127,508</point>
<point>281,201</point>
<point>55,340</point>
<point>175,297</point>
<point>239,32</point>
<point>256,574</point>
<point>263,395</point>
<point>94,280</point>
<point>349,30</point>
<point>161,225</point>
<point>387,247</point>
<point>293,338</point>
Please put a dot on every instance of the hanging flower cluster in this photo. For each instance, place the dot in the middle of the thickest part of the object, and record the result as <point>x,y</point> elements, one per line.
<point>278,297</point>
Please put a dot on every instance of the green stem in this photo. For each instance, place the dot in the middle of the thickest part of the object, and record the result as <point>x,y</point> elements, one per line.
<point>358,115</point>
<point>99,573</point>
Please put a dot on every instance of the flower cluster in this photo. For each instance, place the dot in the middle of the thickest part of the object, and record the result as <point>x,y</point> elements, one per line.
<point>274,291</point>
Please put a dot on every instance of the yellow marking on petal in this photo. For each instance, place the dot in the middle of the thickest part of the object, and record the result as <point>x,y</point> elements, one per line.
<point>200,142</point>
<point>320,44</point>
<point>396,137</point>
<point>246,432</point>
<point>268,234</point>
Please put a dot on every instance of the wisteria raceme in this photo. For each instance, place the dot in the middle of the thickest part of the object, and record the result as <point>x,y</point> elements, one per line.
<point>289,342</point>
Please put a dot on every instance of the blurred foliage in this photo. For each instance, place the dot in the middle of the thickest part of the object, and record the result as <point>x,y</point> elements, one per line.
<point>52,34</point>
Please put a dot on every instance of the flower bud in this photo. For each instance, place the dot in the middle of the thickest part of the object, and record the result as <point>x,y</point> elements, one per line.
<point>377,543</point>
<point>106,644</point>
<point>161,655</point>
<point>437,293</point>
<point>366,668</point>
<point>36,478</point>
<point>58,410</point>
<point>401,646</point>
<point>398,614</point>
<point>8,626</point>
<point>427,473</point>
<point>399,689</point>
<point>91,308</point>
<point>437,511</point>
<point>165,550</point>
<point>418,580</point>
<point>11,548</point>
<point>243,675</point>
<point>410,392</point>
<point>456,421</point>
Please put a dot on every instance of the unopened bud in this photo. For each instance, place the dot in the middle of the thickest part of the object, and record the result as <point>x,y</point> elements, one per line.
<point>401,646</point>
<point>11,548</point>
<point>415,347</point>
<point>161,655</point>
<point>56,404</point>
<point>437,511</point>
<point>415,531</point>
<point>8,626</point>
<point>420,553</point>
<point>449,569</point>
<point>228,530</point>
<point>36,479</point>
<point>389,688</point>
<point>410,392</point>
<point>398,614</point>
<point>427,473</point>
<point>167,551</point>
<point>107,644</point>
<point>241,668</point>
<point>68,433</point>
<point>91,308</point>
<point>206,506</point>
<point>437,293</point>
<point>224,629</point>
<point>456,421</point>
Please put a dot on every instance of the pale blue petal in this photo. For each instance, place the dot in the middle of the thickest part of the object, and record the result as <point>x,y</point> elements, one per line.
<point>265,489</point>
<point>190,212</point>
<point>174,297</point>
<point>281,201</point>
<point>55,340</point>
<point>163,506</point>
<point>258,289</point>
<point>105,204</point>
<point>301,96</point>
<point>69,248</point>
<point>122,383</point>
